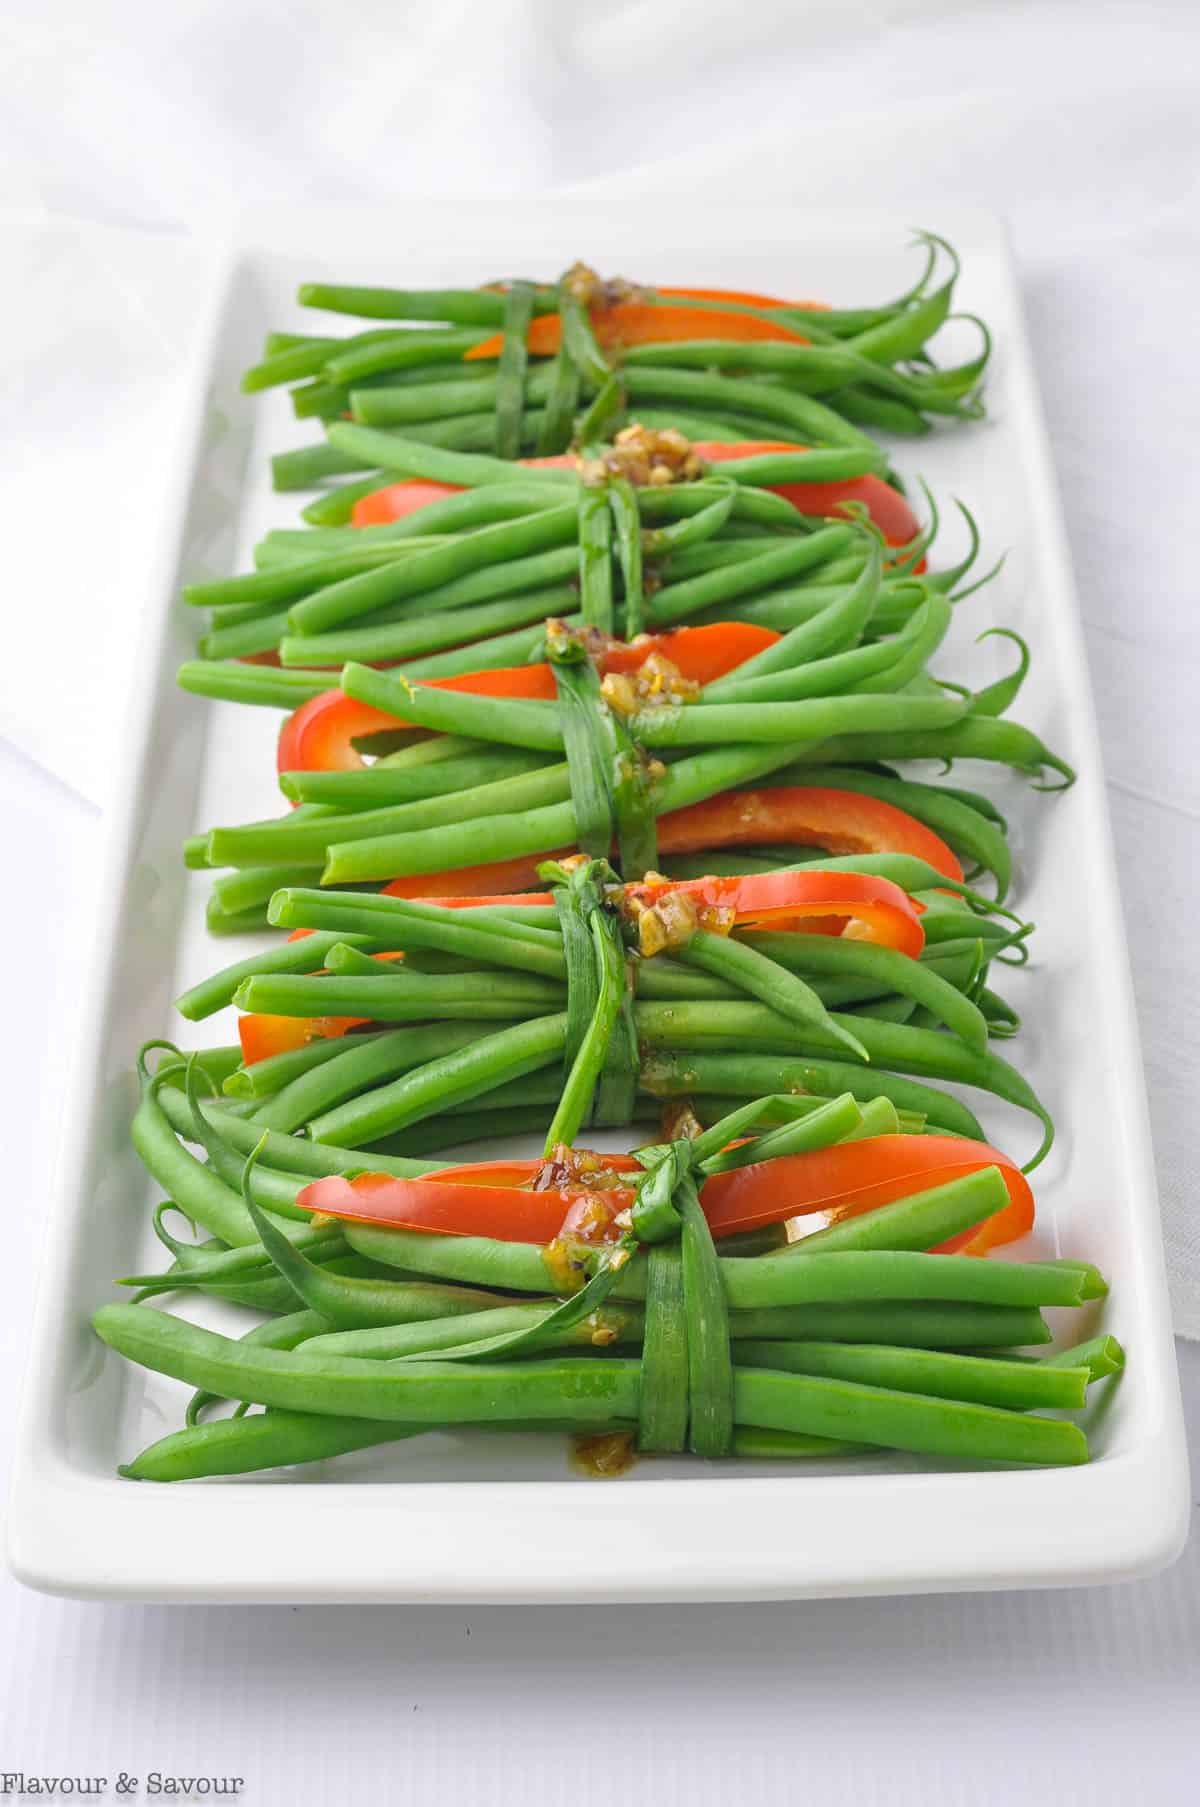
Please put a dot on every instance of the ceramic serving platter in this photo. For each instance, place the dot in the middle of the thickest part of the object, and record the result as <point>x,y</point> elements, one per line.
<point>476,1517</point>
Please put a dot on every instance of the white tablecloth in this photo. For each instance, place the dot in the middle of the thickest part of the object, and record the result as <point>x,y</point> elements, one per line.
<point>131,133</point>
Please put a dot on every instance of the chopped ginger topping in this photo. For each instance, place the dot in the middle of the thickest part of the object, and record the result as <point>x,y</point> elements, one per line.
<point>593,290</point>
<point>670,918</point>
<point>656,684</point>
<point>568,1168</point>
<point>647,457</point>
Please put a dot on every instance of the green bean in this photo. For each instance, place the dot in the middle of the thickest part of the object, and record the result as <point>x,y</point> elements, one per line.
<point>860,1275</point>
<point>397,351</point>
<point>812,369</point>
<point>336,506</point>
<point>749,971</point>
<point>802,1130</point>
<point>824,465</point>
<point>886,967</point>
<point>413,576</point>
<point>308,465</point>
<point>234,683</point>
<point>973,737</point>
<point>882,665</point>
<point>362,1062</point>
<point>832,629</point>
<point>506,578</point>
<point>751,508</point>
<point>534,724</point>
<point>755,1445</point>
<point>466,392</point>
<point>466,307</point>
<point>517,648</point>
<point>607,1325</point>
<point>287,1332</point>
<point>668,1074</point>
<point>291,363</point>
<point>893,1046</point>
<point>399,997</point>
<point>808,418</point>
<point>235,892</point>
<point>534,831</point>
<point>904,335</point>
<point>405,639</point>
<point>882,412</point>
<point>216,1064</point>
<point>284,583</point>
<point>928,1426</point>
<point>675,601</point>
<point>242,922</point>
<point>983,1380</point>
<point>413,924</point>
<point>276,1439</point>
<point>573,1389</point>
<point>691,532</point>
<point>787,608</point>
<point>195,1267</point>
<point>448,1135</point>
<point>410,458</point>
<point>264,1078</point>
<point>215,992</point>
<point>383,784</point>
<point>286,842</point>
<point>349,1302</point>
<point>519,1267</point>
<point>244,637</point>
<point>471,432</point>
<point>263,1440</point>
<point>289,1154</point>
<point>1100,1356</point>
<point>815,719</point>
<point>455,513</point>
<point>205,1198</point>
<point>454,1078</point>
<point>534,924</point>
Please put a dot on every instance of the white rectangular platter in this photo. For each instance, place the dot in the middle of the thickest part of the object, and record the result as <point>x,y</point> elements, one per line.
<point>476,1518</point>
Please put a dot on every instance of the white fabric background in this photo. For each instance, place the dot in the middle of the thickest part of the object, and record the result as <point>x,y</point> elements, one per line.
<point>130,132</point>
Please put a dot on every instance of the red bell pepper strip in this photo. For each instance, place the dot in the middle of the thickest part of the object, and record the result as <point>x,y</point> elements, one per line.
<point>839,821</point>
<point>886,507</point>
<point>262,1035</point>
<point>646,323</point>
<point>698,653</point>
<point>499,1200</point>
<point>319,736</point>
